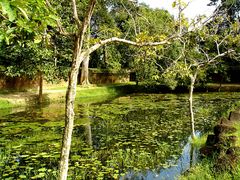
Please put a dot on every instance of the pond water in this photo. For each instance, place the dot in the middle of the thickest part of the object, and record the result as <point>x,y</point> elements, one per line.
<point>141,136</point>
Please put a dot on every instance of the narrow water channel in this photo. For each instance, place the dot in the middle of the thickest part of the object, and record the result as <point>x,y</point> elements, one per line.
<point>141,136</point>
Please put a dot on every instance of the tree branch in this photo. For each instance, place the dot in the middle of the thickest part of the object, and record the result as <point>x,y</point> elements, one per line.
<point>133,20</point>
<point>220,55</point>
<point>75,14</point>
<point>59,24</point>
<point>115,39</point>
<point>88,16</point>
<point>85,24</point>
<point>3,16</point>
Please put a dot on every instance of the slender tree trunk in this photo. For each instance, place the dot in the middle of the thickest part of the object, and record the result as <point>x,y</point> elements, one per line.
<point>85,65</point>
<point>85,72</point>
<point>78,56</point>
<point>40,91</point>
<point>193,79</point>
<point>69,112</point>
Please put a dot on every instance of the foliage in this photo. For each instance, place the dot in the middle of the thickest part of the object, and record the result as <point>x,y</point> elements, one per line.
<point>199,141</point>
<point>26,46</point>
<point>148,62</point>
<point>18,16</point>
<point>230,8</point>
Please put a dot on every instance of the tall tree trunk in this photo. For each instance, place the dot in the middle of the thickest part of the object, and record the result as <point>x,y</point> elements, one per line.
<point>85,72</point>
<point>78,56</point>
<point>85,65</point>
<point>193,79</point>
<point>40,90</point>
<point>69,112</point>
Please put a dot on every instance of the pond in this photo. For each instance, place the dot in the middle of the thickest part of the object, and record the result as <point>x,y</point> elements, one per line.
<point>140,136</point>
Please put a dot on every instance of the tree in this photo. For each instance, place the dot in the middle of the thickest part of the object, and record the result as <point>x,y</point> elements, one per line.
<point>79,54</point>
<point>148,62</point>
<point>111,18</point>
<point>229,8</point>
<point>25,40</point>
<point>201,49</point>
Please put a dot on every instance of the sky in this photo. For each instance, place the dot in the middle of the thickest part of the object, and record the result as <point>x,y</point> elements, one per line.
<point>195,8</point>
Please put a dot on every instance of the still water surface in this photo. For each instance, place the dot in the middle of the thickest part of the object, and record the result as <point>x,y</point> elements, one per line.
<point>141,136</point>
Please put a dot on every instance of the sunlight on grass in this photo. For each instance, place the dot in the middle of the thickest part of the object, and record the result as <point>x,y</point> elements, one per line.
<point>5,104</point>
<point>57,93</point>
<point>199,141</point>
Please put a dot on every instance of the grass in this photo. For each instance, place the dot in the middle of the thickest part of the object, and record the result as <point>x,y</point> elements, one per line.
<point>205,168</point>
<point>5,104</point>
<point>199,141</point>
<point>97,91</point>
<point>205,171</point>
<point>56,93</point>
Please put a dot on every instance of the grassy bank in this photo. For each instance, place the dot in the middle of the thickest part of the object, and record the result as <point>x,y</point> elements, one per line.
<point>206,168</point>
<point>205,171</point>
<point>53,94</point>
<point>4,103</point>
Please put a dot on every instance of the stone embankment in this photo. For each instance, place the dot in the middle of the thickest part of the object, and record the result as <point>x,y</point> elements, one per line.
<point>222,145</point>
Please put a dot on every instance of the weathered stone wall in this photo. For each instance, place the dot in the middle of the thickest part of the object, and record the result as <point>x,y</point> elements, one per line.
<point>23,83</point>
<point>108,78</point>
<point>17,83</point>
<point>98,76</point>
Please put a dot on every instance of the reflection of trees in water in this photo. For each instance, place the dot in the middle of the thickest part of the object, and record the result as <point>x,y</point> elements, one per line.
<point>83,124</point>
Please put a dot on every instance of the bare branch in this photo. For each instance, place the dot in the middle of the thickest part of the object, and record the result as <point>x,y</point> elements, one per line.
<point>134,22</point>
<point>75,14</point>
<point>85,24</point>
<point>224,38</point>
<point>220,55</point>
<point>3,16</point>
<point>115,39</point>
<point>218,50</point>
<point>205,54</point>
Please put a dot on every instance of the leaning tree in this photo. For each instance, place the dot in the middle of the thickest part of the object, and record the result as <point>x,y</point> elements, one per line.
<point>80,52</point>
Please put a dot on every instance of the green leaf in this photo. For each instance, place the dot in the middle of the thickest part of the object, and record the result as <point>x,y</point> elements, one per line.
<point>24,13</point>
<point>22,176</point>
<point>174,4</point>
<point>8,10</point>
<point>42,169</point>
<point>37,39</point>
<point>53,17</point>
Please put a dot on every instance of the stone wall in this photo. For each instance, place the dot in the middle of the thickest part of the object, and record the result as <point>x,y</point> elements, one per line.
<point>17,83</point>
<point>23,83</point>
<point>108,78</point>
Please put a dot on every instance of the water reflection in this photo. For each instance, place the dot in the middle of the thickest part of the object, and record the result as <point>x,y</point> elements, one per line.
<point>188,158</point>
<point>144,133</point>
<point>84,120</point>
